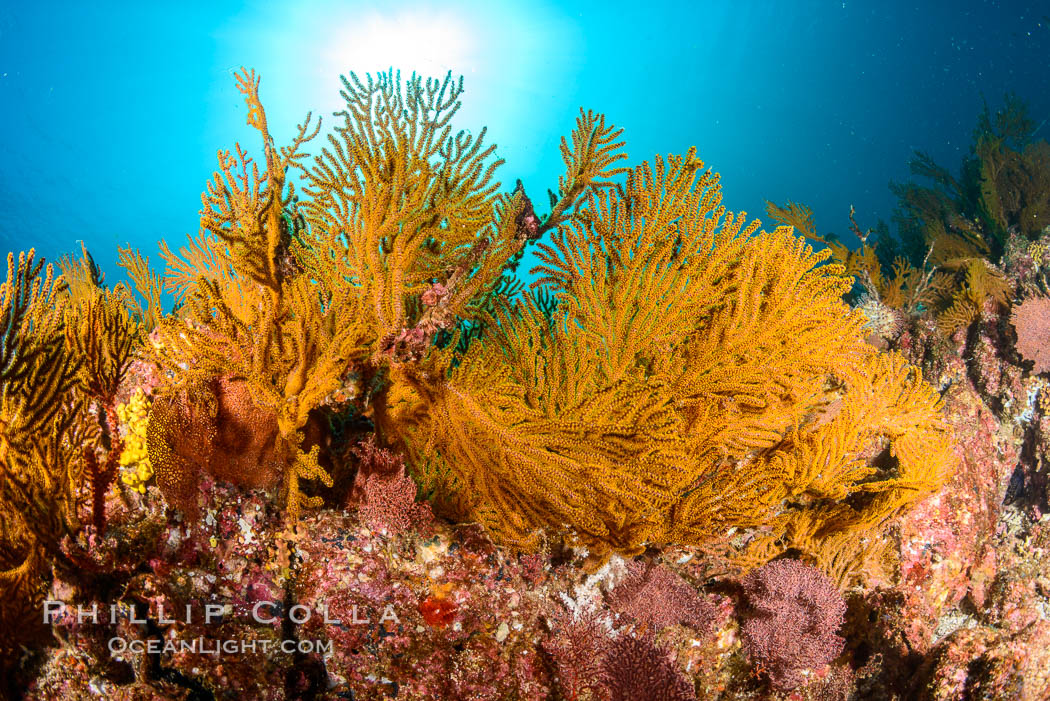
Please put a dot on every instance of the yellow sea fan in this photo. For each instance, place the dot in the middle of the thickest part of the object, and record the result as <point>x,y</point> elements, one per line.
<point>679,390</point>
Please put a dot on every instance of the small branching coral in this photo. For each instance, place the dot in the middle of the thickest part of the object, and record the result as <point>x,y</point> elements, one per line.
<point>577,647</point>
<point>1013,171</point>
<point>656,597</point>
<point>385,494</point>
<point>102,333</point>
<point>791,624</point>
<point>638,668</point>
<point>1001,190</point>
<point>1031,321</point>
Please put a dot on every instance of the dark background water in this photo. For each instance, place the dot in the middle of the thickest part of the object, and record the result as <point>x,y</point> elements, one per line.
<point>112,114</point>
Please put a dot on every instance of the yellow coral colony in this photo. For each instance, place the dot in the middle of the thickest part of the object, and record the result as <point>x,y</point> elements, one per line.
<point>66,346</point>
<point>44,428</point>
<point>248,314</point>
<point>293,298</point>
<point>698,377</point>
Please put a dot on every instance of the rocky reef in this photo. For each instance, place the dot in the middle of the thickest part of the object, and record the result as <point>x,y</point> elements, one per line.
<point>697,461</point>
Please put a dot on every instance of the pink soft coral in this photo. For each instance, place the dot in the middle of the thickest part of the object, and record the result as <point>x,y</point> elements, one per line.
<point>577,646</point>
<point>637,668</point>
<point>656,597</point>
<point>790,625</point>
<point>386,494</point>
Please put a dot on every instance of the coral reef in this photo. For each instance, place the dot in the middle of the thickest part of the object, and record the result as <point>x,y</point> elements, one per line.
<point>695,460</point>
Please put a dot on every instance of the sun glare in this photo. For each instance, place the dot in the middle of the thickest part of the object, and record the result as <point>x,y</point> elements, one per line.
<point>425,42</point>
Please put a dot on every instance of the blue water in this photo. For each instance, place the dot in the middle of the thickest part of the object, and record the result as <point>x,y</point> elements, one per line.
<point>111,115</point>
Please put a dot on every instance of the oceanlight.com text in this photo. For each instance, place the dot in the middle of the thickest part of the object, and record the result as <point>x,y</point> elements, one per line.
<point>204,646</point>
